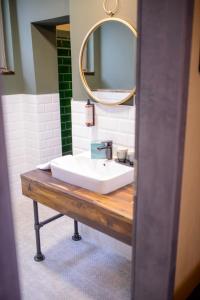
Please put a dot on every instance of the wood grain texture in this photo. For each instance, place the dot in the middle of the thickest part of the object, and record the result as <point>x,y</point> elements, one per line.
<point>111,214</point>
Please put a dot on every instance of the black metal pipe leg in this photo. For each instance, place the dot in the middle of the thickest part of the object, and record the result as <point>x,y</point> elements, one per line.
<point>39,256</point>
<point>76,236</point>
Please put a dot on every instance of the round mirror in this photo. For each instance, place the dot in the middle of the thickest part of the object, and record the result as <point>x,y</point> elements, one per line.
<point>107,61</point>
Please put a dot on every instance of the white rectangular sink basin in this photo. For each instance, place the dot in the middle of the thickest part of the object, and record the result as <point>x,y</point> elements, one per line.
<point>100,176</point>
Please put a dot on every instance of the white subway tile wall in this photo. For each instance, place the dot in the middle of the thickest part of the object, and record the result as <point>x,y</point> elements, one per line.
<point>116,123</point>
<point>32,131</point>
<point>33,136</point>
<point>14,127</point>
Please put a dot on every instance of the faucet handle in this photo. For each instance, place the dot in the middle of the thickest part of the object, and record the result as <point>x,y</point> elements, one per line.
<point>108,143</point>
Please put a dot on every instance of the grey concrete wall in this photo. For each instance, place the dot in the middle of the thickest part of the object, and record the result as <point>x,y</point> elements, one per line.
<point>26,12</point>
<point>29,11</point>
<point>45,59</point>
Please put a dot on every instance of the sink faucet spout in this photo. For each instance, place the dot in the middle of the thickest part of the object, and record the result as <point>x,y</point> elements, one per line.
<point>107,145</point>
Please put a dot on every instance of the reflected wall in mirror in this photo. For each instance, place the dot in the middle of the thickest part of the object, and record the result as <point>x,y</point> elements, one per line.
<point>108,61</point>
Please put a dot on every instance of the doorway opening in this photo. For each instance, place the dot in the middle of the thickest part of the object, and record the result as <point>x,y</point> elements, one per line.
<point>63,45</point>
<point>53,68</point>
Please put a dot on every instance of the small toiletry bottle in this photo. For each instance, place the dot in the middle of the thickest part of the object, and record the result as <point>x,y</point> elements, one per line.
<point>89,114</point>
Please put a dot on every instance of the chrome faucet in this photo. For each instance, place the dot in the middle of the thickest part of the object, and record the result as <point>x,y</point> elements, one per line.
<point>108,146</point>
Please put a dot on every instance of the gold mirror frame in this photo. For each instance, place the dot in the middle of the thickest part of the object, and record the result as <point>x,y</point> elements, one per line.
<point>82,75</point>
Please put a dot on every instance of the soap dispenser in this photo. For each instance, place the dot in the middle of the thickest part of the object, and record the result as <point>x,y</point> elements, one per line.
<point>89,114</point>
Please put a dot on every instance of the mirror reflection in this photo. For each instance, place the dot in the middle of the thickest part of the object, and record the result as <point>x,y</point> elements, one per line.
<point>108,62</point>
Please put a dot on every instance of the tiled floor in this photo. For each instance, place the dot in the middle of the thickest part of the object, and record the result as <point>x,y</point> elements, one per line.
<point>72,270</point>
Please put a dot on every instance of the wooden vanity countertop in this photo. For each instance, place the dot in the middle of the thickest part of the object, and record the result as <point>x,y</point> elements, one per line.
<point>111,213</point>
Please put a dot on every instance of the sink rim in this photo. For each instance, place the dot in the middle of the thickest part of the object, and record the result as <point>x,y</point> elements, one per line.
<point>123,169</point>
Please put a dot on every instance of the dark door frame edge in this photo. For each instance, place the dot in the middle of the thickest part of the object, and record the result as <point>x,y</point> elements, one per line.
<point>164,47</point>
<point>9,282</point>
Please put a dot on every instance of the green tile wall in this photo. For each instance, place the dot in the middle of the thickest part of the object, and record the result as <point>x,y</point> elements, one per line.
<point>65,88</point>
